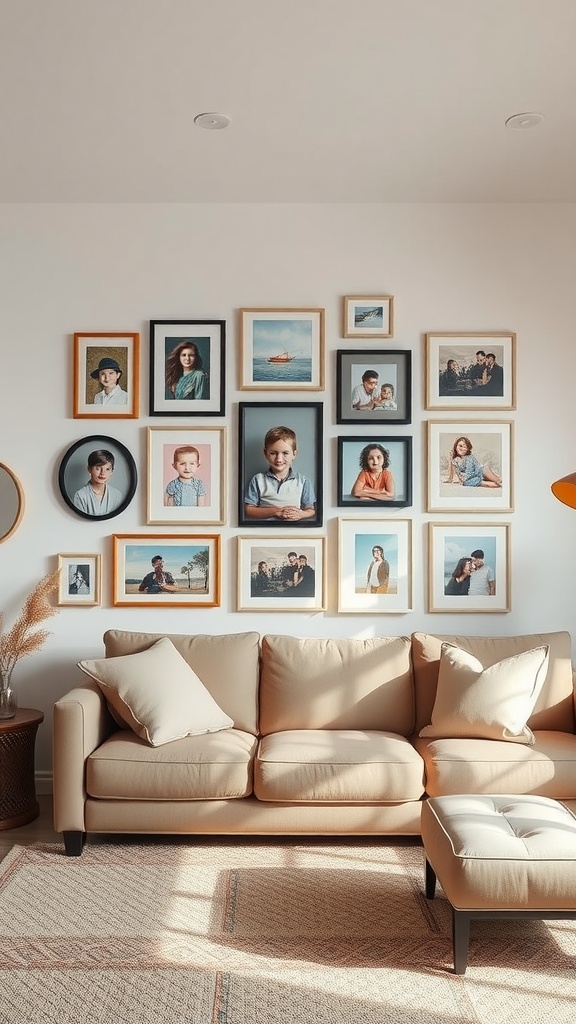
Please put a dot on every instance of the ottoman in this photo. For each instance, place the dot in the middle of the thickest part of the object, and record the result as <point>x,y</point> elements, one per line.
<point>499,856</point>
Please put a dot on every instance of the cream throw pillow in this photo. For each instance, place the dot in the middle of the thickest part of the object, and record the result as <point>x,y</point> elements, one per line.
<point>492,703</point>
<point>157,694</point>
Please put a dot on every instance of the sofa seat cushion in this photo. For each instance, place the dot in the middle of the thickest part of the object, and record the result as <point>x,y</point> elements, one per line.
<point>337,766</point>
<point>213,766</point>
<point>548,768</point>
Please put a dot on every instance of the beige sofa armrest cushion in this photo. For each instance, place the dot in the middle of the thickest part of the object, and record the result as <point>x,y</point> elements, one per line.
<point>80,724</point>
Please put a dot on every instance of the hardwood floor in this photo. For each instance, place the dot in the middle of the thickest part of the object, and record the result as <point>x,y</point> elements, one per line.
<point>38,831</point>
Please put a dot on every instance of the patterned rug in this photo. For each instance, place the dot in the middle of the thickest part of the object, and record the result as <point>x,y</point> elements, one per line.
<point>260,932</point>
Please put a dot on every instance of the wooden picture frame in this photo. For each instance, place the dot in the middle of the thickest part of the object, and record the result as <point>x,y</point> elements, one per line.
<point>469,466</point>
<point>452,544</point>
<point>255,420</point>
<point>106,375</point>
<point>79,467</point>
<point>461,374</point>
<point>395,458</point>
<point>361,375</point>
<point>368,316</point>
<point>186,475</point>
<point>282,349</point>
<point>187,367</point>
<point>281,574</point>
<point>372,583</point>
<point>80,580</point>
<point>191,562</point>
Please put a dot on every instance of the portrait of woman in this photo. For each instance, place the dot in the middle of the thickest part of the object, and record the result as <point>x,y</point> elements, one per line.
<point>185,373</point>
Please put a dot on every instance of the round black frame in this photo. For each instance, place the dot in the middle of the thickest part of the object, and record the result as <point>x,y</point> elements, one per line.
<point>119,450</point>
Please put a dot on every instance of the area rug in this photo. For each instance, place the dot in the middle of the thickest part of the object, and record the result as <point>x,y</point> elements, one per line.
<point>261,932</point>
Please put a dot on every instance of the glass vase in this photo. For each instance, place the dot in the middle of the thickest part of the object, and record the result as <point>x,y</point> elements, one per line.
<point>8,702</point>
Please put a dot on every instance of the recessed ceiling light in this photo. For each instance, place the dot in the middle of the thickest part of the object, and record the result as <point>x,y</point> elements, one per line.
<point>521,122</point>
<point>212,121</point>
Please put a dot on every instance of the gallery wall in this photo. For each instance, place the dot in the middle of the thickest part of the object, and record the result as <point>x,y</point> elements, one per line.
<point>463,268</point>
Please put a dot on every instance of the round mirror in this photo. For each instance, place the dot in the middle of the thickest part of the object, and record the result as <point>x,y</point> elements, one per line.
<point>11,502</point>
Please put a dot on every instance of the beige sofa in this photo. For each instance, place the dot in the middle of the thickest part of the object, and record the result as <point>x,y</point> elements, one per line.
<point>325,740</point>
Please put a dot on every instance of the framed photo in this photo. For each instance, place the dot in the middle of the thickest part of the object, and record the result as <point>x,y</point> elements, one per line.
<point>469,568</point>
<point>374,565</point>
<point>281,574</point>
<point>187,368</point>
<point>167,570</point>
<point>283,487</point>
<point>470,371</point>
<point>186,475</point>
<point>282,349</point>
<point>368,316</point>
<point>106,375</point>
<point>373,386</point>
<point>374,471</point>
<point>97,477</point>
<point>79,581</point>
<point>470,466</point>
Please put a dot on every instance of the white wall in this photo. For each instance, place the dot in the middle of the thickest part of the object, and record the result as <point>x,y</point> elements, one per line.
<point>66,268</point>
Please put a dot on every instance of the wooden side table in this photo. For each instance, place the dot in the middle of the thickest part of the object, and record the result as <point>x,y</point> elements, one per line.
<point>18,803</point>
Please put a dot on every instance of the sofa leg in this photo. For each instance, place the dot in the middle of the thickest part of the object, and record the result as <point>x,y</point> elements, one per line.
<point>74,843</point>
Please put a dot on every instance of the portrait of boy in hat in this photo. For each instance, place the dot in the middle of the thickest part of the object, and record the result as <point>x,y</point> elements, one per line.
<point>108,374</point>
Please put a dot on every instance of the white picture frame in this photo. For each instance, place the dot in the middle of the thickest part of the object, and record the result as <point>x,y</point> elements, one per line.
<point>357,539</point>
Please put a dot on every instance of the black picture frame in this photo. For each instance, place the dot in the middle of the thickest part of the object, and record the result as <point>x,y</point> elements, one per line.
<point>391,366</point>
<point>255,419</point>
<point>209,338</point>
<point>73,474</point>
<point>350,450</point>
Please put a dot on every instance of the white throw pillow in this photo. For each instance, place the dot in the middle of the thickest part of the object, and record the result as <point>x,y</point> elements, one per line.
<point>492,703</point>
<point>157,694</point>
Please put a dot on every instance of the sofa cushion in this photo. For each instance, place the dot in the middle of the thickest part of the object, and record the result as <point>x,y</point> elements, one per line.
<point>337,766</point>
<point>489,766</point>
<point>494,702</point>
<point>554,707</point>
<point>312,683</point>
<point>157,694</point>
<point>213,766</point>
<point>227,665</point>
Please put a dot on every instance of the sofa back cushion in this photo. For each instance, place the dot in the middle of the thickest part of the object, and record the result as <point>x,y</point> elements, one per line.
<point>554,707</point>
<point>313,683</point>
<point>227,665</point>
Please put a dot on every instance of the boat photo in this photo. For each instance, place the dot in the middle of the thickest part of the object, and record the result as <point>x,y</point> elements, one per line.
<point>283,357</point>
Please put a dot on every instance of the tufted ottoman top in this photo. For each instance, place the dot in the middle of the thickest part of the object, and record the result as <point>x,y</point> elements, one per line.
<point>502,852</point>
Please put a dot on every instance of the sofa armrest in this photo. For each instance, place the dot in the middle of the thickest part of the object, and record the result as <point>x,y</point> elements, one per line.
<point>80,723</point>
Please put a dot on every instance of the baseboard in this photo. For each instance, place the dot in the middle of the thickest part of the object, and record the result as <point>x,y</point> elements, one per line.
<point>43,781</point>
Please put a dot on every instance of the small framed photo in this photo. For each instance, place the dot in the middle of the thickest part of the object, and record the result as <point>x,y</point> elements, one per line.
<point>187,367</point>
<point>373,386</point>
<point>374,565</point>
<point>186,481</point>
<point>281,464</point>
<point>368,316</point>
<point>374,471</point>
<point>166,570</point>
<point>97,477</point>
<point>79,582</point>
<point>470,371</point>
<point>281,574</point>
<point>469,567</point>
<point>470,466</point>
<point>106,375</point>
<point>282,349</point>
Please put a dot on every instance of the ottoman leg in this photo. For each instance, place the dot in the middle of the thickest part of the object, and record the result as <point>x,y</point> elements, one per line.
<point>430,880</point>
<point>460,940</point>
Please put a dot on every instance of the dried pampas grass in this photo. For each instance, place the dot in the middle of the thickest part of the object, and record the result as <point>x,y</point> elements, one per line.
<point>23,637</point>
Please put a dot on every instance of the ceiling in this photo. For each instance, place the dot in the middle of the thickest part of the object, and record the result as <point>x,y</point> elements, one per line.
<point>330,100</point>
